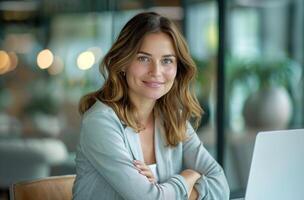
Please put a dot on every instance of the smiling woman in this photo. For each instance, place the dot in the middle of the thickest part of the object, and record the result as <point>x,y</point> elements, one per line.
<point>152,72</point>
<point>136,141</point>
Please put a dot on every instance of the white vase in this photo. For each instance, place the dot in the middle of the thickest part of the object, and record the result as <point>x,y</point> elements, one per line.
<point>268,109</point>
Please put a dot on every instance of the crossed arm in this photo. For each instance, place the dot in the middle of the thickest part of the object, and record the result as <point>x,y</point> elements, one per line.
<point>204,177</point>
<point>189,175</point>
<point>103,145</point>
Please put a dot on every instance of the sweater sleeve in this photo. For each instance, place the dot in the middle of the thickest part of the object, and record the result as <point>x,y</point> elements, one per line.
<point>212,184</point>
<point>103,145</point>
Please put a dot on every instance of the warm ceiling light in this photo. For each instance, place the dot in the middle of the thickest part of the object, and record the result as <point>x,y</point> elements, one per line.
<point>45,59</point>
<point>4,62</point>
<point>85,60</point>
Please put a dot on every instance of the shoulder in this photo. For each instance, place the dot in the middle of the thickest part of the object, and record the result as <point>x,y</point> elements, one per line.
<point>99,118</point>
<point>98,108</point>
<point>100,111</point>
<point>101,131</point>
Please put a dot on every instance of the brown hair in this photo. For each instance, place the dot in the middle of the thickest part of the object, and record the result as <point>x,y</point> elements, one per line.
<point>177,106</point>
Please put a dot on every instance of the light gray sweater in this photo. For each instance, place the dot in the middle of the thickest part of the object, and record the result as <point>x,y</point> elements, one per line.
<point>105,170</point>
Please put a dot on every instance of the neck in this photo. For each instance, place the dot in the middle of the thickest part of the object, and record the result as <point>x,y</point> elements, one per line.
<point>143,108</point>
<point>145,113</point>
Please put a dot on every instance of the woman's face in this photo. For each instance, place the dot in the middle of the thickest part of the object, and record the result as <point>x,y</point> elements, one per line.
<point>152,72</point>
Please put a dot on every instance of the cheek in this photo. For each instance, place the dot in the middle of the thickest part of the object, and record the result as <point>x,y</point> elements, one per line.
<point>171,74</point>
<point>134,71</point>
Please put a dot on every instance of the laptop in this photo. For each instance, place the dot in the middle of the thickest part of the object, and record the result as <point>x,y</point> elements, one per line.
<point>277,167</point>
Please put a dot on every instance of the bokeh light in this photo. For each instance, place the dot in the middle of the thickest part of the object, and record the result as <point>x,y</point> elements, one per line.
<point>4,62</point>
<point>45,59</point>
<point>85,60</point>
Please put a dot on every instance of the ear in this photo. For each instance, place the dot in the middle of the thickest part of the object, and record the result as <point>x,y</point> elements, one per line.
<point>123,72</point>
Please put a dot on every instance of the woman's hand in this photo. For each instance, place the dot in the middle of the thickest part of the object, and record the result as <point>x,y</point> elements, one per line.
<point>144,170</point>
<point>194,194</point>
<point>191,176</point>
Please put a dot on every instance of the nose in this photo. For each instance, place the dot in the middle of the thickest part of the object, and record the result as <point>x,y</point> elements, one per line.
<point>155,69</point>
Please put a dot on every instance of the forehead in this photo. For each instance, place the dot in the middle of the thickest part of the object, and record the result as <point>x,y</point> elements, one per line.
<point>157,44</point>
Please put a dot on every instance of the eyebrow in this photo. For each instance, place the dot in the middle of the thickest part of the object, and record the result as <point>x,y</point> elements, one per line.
<point>148,54</point>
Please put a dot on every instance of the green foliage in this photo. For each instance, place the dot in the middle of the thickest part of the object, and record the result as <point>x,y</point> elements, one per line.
<point>263,72</point>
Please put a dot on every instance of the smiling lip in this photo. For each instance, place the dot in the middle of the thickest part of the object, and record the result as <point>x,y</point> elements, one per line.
<point>153,84</point>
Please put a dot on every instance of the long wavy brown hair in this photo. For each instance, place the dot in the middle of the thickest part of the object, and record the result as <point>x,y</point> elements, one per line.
<point>177,106</point>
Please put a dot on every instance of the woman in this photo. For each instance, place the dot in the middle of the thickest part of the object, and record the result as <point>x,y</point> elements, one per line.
<point>135,140</point>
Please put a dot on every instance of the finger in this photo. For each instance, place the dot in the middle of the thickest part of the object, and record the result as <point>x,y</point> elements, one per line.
<point>138,162</point>
<point>142,167</point>
<point>152,180</point>
<point>147,173</point>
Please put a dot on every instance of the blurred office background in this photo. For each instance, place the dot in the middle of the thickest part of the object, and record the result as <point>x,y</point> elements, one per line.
<point>50,53</point>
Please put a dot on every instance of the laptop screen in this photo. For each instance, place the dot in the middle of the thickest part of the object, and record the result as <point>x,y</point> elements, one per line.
<point>277,167</point>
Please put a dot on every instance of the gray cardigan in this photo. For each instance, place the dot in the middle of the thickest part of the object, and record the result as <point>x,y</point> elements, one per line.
<point>105,170</point>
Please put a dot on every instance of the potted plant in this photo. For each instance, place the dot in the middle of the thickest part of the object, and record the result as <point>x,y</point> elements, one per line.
<point>270,85</point>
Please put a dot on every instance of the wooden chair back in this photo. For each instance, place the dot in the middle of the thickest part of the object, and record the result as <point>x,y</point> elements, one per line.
<point>50,188</point>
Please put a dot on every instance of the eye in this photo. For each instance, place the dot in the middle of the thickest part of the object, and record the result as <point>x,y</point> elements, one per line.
<point>167,61</point>
<point>143,59</point>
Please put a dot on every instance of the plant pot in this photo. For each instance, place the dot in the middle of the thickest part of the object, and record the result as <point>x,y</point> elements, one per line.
<point>268,109</point>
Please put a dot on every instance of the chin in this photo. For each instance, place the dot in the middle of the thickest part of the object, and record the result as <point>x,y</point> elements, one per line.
<point>154,96</point>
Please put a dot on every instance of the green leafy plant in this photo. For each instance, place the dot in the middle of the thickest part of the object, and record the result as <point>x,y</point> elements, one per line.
<point>261,86</point>
<point>262,73</point>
